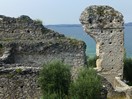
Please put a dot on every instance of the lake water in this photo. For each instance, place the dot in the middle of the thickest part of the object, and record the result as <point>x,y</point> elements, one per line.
<point>78,33</point>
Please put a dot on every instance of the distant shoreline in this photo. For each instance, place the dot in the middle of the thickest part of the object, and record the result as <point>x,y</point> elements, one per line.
<point>77,25</point>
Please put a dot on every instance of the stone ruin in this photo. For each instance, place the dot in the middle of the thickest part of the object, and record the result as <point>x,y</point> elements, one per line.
<point>25,45</point>
<point>105,25</point>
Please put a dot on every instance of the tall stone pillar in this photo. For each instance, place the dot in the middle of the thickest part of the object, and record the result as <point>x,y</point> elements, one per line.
<point>105,25</point>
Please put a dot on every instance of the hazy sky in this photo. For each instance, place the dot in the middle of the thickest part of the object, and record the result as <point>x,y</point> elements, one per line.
<point>60,11</point>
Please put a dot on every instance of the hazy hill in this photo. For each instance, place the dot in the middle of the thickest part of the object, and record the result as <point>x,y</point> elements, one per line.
<point>64,25</point>
<point>128,24</point>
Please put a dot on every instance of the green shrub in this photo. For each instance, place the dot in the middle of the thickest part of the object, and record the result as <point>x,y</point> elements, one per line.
<point>128,70</point>
<point>38,21</point>
<point>86,86</point>
<point>54,80</point>
<point>18,70</point>
<point>50,96</point>
<point>92,61</point>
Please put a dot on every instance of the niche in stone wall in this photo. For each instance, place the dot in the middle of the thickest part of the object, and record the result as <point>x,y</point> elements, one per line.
<point>1,50</point>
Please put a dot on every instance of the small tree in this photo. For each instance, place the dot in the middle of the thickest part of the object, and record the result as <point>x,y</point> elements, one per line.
<point>54,80</point>
<point>86,86</point>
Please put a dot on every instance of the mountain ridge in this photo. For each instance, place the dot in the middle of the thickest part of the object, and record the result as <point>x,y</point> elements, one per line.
<point>128,24</point>
<point>64,25</point>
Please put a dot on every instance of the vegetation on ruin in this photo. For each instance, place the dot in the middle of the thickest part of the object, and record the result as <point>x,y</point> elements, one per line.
<point>73,41</point>
<point>91,62</point>
<point>14,73</point>
<point>55,82</point>
<point>86,86</point>
<point>24,18</point>
<point>18,70</point>
<point>38,21</point>
<point>8,39</point>
<point>127,71</point>
<point>10,75</point>
<point>100,11</point>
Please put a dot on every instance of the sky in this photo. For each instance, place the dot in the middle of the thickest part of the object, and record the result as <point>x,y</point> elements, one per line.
<point>60,11</point>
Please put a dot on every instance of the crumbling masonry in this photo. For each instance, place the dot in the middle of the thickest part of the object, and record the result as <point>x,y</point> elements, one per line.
<point>105,25</point>
<point>25,45</point>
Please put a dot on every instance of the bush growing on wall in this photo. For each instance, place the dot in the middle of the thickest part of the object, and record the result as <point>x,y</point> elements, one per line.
<point>128,70</point>
<point>54,80</point>
<point>87,85</point>
<point>92,61</point>
<point>38,21</point>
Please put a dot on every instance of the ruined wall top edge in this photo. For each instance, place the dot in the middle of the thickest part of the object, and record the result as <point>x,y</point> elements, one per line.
<point>25,30</point>
<point>101,17</point>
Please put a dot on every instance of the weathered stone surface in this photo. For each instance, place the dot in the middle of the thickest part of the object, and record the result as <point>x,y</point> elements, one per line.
<point>19,82</point>
<point>122,87</point>
<point>26,43</point>
<point>30,42</point>
<point>105,25</point>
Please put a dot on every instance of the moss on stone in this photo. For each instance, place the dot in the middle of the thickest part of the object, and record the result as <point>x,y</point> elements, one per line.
<point>18,70</point>
<point>100,10</point>
<point>38,21</point>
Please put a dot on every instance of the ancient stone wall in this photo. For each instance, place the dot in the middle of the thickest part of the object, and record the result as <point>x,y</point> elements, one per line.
<point>26,43</point>
<point>19,82</point>
<point>105,25</point>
